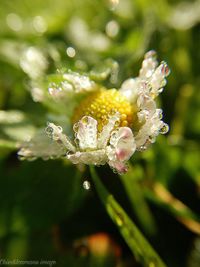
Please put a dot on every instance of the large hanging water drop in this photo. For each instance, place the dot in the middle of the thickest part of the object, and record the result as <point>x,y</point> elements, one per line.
<point>86,185</point>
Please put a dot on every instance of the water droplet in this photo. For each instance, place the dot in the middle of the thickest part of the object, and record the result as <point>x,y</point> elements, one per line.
<point>113,4</point>
<point>160,115</point>
<point>85,120</point>
<point>76,127</point>
<point>142,148</point>
<point>39,24</point>
<point>86,185</point>
<point>60,129</point>
<point>164,129</point>
<point>112,28</point>
<point>49,130</point>
<point>14,21</point>
<point>69,153</point>
<point>152,139</point>
<point>165,69</point>
<point>71,52</point>
<point>160,90</point>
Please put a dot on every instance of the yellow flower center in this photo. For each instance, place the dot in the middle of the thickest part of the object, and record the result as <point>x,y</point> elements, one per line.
<point>103,103</point>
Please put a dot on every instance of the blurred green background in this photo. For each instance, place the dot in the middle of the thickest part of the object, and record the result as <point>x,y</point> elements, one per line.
<point>50,210</point>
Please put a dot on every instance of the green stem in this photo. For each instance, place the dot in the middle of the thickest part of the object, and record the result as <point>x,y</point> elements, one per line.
<point>139,246</point>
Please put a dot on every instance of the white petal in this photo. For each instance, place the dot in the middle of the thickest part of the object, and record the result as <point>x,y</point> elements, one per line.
<point>145,102</point>
<point>55,133</point>
<point>158,81</point>
<point>86,133</point>
<point>148,65</point>
<point>130,88</point>
<point>97,157</point>
<point>104,136</point>
<point>41,146</point>
<point>150,130</point>
<point>152,76</point>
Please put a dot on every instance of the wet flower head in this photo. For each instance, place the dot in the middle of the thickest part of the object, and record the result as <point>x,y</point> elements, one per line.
<point>109,125</point>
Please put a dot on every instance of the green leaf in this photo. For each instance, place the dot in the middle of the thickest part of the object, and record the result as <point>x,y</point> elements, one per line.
<point>163,198</point>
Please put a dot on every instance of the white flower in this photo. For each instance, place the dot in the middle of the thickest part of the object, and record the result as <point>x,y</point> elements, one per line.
<point>109,125</point>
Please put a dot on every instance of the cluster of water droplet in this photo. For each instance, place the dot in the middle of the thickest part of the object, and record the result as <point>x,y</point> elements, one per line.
<point>53,132</point>
<point>85,132</point>
<point>36,25</point>
<point>80,83</point>
<point>59,90</point>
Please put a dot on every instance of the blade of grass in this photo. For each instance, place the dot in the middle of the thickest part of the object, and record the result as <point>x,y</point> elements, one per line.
<point>139,246</point>
<point>160,196</point>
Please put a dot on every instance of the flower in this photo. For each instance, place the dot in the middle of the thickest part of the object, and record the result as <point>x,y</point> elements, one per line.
<point>109,125</point>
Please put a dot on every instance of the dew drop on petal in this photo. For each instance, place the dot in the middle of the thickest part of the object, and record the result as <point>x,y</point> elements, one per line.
<point>76,127</point>
<point>69,153</point>
<point>119,220</point>
<point>49,130</point>
<point>142,148</point>
<point>160,90</point>
<point>60,129</point>
<point>152,139</point>
<point>160,115</point>
<point>165,69</point>
<point>164,129</point>
<point>86,185</point>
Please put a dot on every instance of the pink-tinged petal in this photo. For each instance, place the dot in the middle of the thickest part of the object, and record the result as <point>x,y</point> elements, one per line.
<point>118,166</point>
<point>122,144</point>
<point>86,133</point>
